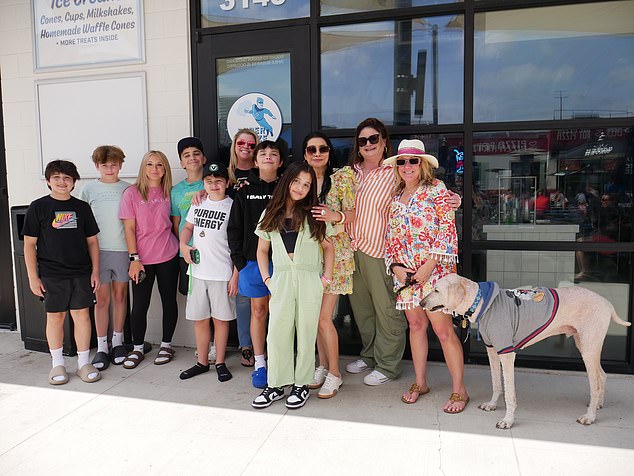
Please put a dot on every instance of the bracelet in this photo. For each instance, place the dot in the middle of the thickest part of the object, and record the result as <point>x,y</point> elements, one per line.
<point>264,280</point>
<point>326,279</point>
<point>343,219</point>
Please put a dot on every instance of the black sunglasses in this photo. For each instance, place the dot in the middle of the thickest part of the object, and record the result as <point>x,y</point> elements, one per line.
<point>411,161</point>
<point>373,139</point>
<point>311,149</point>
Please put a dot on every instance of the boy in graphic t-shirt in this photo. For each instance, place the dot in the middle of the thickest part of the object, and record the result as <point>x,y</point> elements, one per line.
<point>213,278</point>
<point>61,252</point>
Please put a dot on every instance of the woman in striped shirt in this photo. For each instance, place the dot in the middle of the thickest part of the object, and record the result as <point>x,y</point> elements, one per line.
<point>381,325</point>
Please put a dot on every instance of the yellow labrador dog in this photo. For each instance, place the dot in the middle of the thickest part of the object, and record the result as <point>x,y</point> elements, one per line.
<point>512,319</point>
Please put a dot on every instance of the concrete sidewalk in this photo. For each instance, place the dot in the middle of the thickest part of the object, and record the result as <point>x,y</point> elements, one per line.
<point>146,421</point>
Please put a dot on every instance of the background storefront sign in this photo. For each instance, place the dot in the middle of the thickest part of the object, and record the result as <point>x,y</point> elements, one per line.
<point>227,12</point>
<point>258,112</point>
<point>69,33</point>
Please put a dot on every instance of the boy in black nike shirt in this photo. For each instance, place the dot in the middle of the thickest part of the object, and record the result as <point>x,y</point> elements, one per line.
<point>61,252</point>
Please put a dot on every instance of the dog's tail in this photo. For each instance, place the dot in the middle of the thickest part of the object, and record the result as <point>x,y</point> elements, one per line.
<point>615,317</point>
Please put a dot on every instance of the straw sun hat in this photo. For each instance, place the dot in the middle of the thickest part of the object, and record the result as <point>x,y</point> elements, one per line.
<point>415,148</point>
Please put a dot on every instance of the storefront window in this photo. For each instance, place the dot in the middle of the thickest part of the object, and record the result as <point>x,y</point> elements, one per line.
<point>559,185</point>
<point>231,12</point>
<point>392,71</point>
<point>512,269</point>
<point>242,82</point>
<point>338,7</point>
<point>564,62</point>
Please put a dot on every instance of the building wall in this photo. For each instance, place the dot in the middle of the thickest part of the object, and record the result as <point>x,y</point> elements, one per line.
<point>167,68</point>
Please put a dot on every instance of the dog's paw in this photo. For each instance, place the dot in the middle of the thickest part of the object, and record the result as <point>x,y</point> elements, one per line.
<point>487,406</point>
<point>504,425</point>
<point>585,420</point>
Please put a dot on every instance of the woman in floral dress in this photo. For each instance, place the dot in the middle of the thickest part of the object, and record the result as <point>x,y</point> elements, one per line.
<point>421,247</point>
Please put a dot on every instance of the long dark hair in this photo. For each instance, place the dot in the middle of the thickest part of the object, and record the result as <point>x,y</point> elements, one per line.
<point>325,188</point>
<point>374,123</point>
<point>273,219</point>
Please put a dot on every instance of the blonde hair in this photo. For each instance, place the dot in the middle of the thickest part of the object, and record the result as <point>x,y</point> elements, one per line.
<point>143,184</point>
<point>233,158</point>
<point>426,174</point>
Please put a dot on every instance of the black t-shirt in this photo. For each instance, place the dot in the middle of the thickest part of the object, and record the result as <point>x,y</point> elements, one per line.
<point>61,228</point>
<point>241,177</point>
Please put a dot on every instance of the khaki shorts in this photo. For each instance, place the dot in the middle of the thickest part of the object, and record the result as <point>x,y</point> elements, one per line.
<point>210,299</point>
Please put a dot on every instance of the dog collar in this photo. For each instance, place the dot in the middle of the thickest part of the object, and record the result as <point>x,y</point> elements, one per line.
<point>473,307</point>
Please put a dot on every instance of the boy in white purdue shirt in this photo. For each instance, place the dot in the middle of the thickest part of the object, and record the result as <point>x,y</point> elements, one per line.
<point>213,278</point>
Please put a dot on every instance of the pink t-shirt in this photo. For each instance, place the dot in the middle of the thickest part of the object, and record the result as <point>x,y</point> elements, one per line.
<point>154,238</point>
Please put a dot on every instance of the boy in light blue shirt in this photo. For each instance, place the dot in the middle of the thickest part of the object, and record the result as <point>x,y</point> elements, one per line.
<point>104,196</point>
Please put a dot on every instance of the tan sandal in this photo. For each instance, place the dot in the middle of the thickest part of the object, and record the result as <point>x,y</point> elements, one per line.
<point>58,371</point>
<point>415,388</point>
<point>164,356</point>
<point>86,370</point>
<point>456,398</point>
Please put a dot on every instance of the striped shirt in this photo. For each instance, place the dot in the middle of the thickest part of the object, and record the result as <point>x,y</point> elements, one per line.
<point>371,202</point>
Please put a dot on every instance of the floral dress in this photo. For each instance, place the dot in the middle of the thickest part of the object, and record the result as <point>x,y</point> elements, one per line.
<point>340,198</point>
<point>424,228</point>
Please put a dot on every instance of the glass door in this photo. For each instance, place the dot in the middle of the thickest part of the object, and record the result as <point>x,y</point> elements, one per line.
<point>259,80</point>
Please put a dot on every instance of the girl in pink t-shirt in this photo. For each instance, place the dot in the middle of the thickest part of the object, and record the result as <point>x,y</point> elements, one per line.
<point>153,249</point>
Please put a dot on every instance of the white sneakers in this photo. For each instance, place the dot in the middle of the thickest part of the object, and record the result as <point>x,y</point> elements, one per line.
<point>318,378</point>
<point>357,367</point>
<point>330,387</point>
<point>375,378</point>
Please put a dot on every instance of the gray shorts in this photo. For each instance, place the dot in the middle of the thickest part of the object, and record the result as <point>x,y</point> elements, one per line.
<point>113,266</point>
<point>210,299</point>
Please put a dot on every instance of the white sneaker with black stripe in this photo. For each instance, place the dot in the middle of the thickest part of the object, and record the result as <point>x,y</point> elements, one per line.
<point>298,397</point>
<point>267,397</point>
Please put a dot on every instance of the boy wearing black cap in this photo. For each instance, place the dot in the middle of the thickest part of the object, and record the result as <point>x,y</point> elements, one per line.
<point>213,278</point>
<point>192,157</point>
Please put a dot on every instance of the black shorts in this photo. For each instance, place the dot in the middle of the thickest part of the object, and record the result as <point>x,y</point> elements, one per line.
<point>63,294</point>
<point>183,280</point>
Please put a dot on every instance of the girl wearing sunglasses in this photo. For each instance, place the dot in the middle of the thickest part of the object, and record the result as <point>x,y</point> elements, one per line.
<point>336,197</point>
<point>241,158</point>
<point>421,248</point>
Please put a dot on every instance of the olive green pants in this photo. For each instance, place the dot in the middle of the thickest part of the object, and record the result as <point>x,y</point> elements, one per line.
<point>381,325</point>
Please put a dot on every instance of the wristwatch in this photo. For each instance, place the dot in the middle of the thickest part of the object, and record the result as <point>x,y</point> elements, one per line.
<point>134,257</point>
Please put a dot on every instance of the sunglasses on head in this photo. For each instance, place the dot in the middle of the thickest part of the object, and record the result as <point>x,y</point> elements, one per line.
<point>250,145</point>
<point>373,139</point>
<point>311,149</point>
<point>411,161</point>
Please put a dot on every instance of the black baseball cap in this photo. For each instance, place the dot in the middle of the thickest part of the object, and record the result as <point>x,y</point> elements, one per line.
<point>186,142</point>
<point>215,169</point>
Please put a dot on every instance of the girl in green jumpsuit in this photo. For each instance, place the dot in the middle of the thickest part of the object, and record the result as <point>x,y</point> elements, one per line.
<point>298,242</point>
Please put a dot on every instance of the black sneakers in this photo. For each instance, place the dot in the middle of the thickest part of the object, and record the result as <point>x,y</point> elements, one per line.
<point>298,397</point>
<point>268,396</point>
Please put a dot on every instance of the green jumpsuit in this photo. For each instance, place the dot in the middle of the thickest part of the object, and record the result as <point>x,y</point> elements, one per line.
<point>296,293</point>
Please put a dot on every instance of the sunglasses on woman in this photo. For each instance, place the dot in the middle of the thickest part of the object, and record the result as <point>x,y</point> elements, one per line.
<point>241,143</point>
<point>411,161</point>
<point>373,139</point>
<point>311,149</point>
